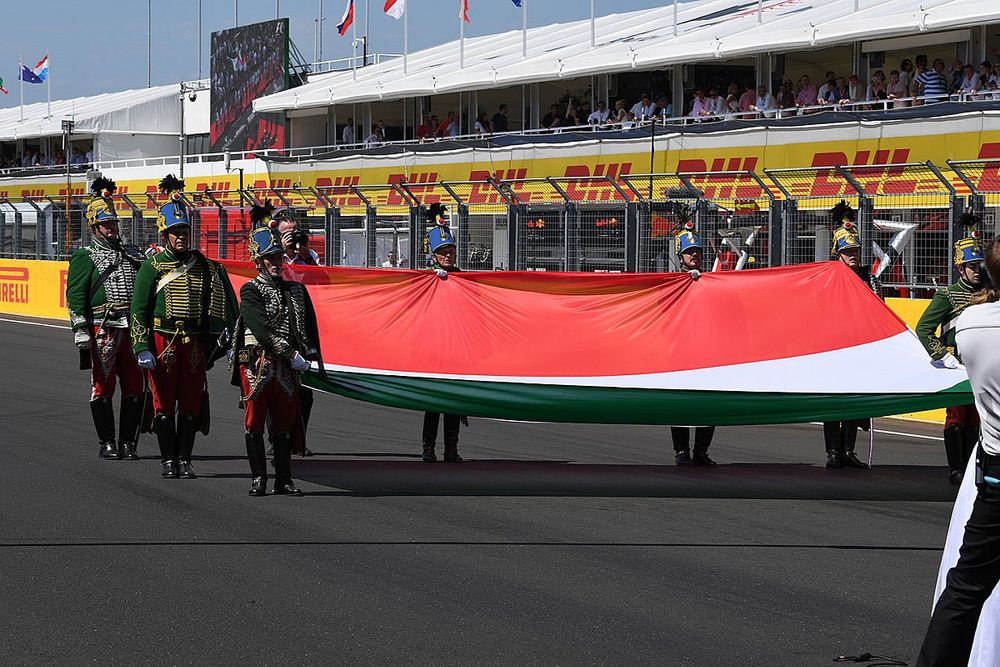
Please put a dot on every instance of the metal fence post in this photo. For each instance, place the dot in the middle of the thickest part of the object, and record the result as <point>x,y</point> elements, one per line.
<point>776,233</point>
<point>954,211</point>
<point>572,238</point>
<point>416,237</point>
<point>515,213</point>
<point>464,235</point>
<point>17,234</point>
<point>371,238</point>
<point>788,212</point>
<point>632,229</point>
<point>331,235</point>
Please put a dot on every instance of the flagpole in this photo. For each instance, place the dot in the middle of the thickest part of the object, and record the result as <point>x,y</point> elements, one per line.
<point>524,28</point>
<point>48,84</point>
<point>461,34</point>
<point>593,26</point>
<point>20,77</point>
<point>406,38</point>
<point>354,43</point>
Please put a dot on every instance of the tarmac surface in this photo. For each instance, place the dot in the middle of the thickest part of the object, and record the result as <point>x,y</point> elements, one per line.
<point>553,544</point>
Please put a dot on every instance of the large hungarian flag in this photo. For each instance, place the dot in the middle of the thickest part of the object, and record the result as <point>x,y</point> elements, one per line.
<point>793,344</point>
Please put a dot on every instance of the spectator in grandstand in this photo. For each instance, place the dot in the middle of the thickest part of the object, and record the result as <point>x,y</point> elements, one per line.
<point>906,75</point>
<point>76,157</point>
<point>644,108</point>
<point>88,157</point>
<point>664,107</point>
<point>454,124</point>
<point>702,106</point>
<point>995,76</point>
<point>620,113</point>
<point>806,95</point>
<point>877,90</point>
<point>425,130</point>
<point>442,128</point>
<point>500,119</point>
<point>60,158</point>
<point>572,117</point>
<point>553,119</point>
<point>347,137</point>
<point>748,98</point>
<point>731,104</point>
<point>956,75</point>
<point>30,158</point>
<point>839,94</point>
<point>896,90</point>
<point>599,117</point>
<point>482,125</point>
<point>718,102</point>
<point>376,138</point>
<point>854,88</point>
<point>786,95</point>
<point>970,83</point>
<point>829,84</point>
<point>764,102</point>
<point>933,84</point>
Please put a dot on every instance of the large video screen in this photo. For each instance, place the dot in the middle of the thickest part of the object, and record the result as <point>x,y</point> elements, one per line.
<point>247,62</point>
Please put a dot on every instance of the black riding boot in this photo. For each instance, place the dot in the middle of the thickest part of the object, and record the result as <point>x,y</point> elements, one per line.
<point>104,421</point>
<point>702,439</point>
<point>128,426</point>
<point>452,426</point>
<point>953,452</point>
<point>970,438</point>
<point>849,436</point>
<point>187,427</point>
<point>681,438</point>
<point>306,399</point>
<point>283,485</point>
<point>834,446</point>
<point>166,438</point>
<point>258,463</point>
<point>430,435</point>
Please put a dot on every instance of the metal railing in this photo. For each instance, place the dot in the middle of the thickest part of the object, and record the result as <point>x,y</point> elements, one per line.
<point>907,215</point>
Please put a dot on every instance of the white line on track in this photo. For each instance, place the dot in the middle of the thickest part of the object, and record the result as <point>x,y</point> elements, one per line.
<point>36,324</point>
<point>514,421</point>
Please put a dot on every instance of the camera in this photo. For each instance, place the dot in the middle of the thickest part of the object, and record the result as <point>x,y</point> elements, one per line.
<point>299,238</point>
<point>192,96</point>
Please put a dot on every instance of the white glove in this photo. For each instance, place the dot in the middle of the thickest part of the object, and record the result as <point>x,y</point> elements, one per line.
<point>146,360</point>
<point>441,273</point>
<point>299,363</point>
<point>695,274</point>
<point>81,338</point>
<point>947,361</point>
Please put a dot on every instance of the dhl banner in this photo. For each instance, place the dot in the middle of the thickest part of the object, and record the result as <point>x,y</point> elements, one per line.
<point>38,288</point>
<point>959,137</point>
<point>35,288</point>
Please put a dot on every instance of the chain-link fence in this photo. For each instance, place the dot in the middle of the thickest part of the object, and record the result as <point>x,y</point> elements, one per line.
<point>664,203</point>
<point>981,180</point>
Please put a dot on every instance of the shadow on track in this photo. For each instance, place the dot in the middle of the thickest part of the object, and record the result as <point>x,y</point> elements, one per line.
<point>758,481</point>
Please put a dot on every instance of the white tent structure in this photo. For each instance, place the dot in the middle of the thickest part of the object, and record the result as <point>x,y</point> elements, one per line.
<point>685,33</point>
<point>132,123</point>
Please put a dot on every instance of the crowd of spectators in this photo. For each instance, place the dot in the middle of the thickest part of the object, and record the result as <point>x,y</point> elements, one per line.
<point>33,158</point>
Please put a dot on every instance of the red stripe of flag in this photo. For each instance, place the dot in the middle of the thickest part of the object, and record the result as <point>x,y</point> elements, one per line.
<point>347,19</point>
<point>464,13</point>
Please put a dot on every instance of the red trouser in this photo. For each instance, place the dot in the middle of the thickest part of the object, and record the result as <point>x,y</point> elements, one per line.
<point>111,359</point>
<point>961,415</point>
<point>179,375</point>
<point>278,396</point>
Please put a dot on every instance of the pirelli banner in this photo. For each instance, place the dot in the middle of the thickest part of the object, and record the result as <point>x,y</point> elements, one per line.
<point>34,288</point>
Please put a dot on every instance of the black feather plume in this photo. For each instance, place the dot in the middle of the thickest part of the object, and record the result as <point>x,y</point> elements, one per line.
<point>969,219</point>
<point>100,184</point>
<point>170,183</point>
<point>434,210</point>
<point>259,213</point>
<point>842,211</point>
<point>682,214</point>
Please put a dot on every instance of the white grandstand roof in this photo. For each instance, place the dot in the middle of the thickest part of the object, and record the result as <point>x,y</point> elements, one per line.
<point>143,111</point>
<point>706,29</point>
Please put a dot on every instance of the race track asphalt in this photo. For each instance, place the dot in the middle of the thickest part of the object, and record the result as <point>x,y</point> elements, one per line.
<point>554,544</point>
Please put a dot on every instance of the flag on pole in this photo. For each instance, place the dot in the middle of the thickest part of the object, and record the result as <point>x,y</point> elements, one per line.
<point>2,89</point>
<point>395,8</point>
<point>517,3</point>
<point>464,12</point>
<point>36,75</point>
<point>347,20</point>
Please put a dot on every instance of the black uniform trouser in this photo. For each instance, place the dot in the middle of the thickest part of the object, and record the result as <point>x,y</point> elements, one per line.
<point>452,424</point>
<point>952,628</point>
<point>681,435</point>
<point>841,436</point>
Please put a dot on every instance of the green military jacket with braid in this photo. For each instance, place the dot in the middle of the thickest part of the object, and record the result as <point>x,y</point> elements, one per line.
<point>942,313</point>
<point>169,299</point>
<point>99,284</point>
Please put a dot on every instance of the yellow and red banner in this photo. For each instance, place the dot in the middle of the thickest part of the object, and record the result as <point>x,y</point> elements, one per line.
<point>33,288</point>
